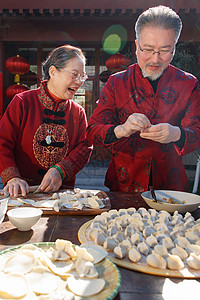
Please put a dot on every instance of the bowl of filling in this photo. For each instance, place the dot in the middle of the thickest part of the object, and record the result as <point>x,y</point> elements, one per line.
<point>4,197</point>
<point>172,200</point>
<point>24,217</point>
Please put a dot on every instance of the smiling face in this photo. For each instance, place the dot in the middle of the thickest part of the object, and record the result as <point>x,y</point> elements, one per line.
<point>61,83</point>
<point>157,39</point>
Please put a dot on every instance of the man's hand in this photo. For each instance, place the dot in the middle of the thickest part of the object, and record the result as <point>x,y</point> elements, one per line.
<point>16,185</point>
<point>163,133</point>
<point>135,122</point>
<point>51,181</point>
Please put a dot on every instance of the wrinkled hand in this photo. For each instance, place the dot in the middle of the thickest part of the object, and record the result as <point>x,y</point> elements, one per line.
<point>51,181</point>
<point>135,122</point>
<point>16,185</point>
<point>163,133</point>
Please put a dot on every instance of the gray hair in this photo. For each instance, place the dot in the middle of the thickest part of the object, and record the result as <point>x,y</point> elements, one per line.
<point>59,57</point>
<point>159,16</point>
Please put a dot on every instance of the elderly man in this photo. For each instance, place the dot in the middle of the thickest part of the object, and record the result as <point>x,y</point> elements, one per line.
<point>150,113</point>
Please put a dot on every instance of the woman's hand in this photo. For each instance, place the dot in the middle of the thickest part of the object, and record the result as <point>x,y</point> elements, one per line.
<point>135,122</point>
<point>51,181</point>
<point>16,185</point>
<point>163,133</point>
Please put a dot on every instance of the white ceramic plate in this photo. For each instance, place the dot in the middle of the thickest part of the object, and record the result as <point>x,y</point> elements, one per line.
<point>192,201</point>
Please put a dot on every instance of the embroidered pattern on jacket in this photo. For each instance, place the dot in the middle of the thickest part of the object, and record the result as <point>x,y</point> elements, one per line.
<point>50,151</point>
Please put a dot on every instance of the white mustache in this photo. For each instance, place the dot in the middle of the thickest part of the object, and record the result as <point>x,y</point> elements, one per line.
<point>153,65</point>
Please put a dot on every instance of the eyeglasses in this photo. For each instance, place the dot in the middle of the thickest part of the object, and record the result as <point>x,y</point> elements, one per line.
<point>76,76</point>
<point>162,53</point>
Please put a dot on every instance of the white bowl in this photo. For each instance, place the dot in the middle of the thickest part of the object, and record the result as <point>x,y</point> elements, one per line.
<point>4,197</point>
<point>24,217</point>
<point>192,201</point>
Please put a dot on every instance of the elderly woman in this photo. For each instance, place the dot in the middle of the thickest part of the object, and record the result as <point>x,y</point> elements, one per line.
<point>43,131</point>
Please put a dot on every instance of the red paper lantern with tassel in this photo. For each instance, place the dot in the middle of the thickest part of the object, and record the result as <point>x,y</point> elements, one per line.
<point>15,89</point>
<point>117,62</point>
<point>17,65</point>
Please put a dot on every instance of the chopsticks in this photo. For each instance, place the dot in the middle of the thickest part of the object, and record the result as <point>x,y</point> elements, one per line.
<point>153,194</point>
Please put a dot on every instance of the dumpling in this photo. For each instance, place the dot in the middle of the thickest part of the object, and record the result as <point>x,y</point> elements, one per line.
<point>175,220</point>
<point>127,244</point>
<point>191,237</point>
<point>66,246</point>
<point>174,262</point>
<point>113,213</point>
<point>148,222</point>
<point>136,238</point>
<point>194,249</point>
<point>100,238</point>
<point>176,213</point>
<point>134,255</point>
<point>179,252</point>
<point>165,213</point>
<point>131,210</point>
<point>189,222</point>
<point>93,232</point>
<point>130,229</point>
<point>112,231</point>
<point>120,221</point>
<point>193,261</point>
<point>111,223</point>
<point>182,242</point>
<point>161,250</point>
<point>122,212</point>
<point>120,252</point>
<point>137,224</point>
<point>161,227</point>
<point>157,261</point>
<point>110,243</point>
<point>160,235</point>
<point>119,236</point>
<point>163,219</point>
<point>143,211</point>
<point>143,248</point>
<point>148,230</point>
<point>151,241</point>
<point>167,242</point>
<point>187,215</point>
<point>85,268</point>
<point>153,212</point>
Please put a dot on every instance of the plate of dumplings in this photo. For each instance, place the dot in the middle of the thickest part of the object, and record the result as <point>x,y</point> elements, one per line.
<point>147,240</point>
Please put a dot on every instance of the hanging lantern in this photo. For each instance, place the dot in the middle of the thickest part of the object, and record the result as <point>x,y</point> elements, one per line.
<point>17,65</point>
<point>15,89</point>
<point>117,62</point>
<point>104,76</point>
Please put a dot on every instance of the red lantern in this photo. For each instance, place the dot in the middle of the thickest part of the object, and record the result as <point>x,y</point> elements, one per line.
<point>17,65</point>
<point>117,62</point>
<point>15,89</point>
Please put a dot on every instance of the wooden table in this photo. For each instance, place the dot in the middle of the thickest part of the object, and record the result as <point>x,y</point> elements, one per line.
<point>135,285</point>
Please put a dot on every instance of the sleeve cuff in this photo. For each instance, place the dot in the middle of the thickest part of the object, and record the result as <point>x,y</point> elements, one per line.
<point>110,136</point>
<point>180,143</point>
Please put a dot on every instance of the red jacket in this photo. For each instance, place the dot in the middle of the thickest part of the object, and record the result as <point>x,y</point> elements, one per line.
<point>177,102</point>
<point>24,150</point>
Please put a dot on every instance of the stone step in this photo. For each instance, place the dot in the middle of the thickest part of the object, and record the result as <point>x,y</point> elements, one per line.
<point>92,180</point>
<point>92,187</point>
<point>87,172</point>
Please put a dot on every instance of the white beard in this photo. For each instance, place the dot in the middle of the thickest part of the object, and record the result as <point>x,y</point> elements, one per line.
<point>152,76</point>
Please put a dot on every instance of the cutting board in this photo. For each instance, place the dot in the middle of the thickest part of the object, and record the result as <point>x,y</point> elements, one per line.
<point>64,211</point>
